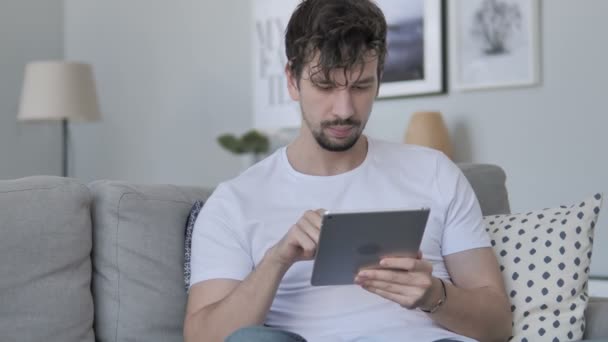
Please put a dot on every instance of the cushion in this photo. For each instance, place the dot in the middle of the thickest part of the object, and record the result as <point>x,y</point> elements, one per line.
<point>488,183</point>
<point>545,256</point>
<point>45,272</point>
<point>196,209</point>
<point>138,260</point>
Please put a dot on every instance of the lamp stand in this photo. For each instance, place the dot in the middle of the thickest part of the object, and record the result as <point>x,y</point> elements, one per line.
<point>64,135</point>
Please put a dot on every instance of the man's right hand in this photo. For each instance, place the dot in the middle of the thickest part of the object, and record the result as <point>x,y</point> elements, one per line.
<point>300,242</point>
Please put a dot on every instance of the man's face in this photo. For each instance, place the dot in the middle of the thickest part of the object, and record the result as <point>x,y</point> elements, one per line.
<point>335,111</point>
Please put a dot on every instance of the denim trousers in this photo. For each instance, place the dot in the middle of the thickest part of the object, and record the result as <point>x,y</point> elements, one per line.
<point>266,334</point>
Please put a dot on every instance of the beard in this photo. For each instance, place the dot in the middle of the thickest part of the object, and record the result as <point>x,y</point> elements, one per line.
<point>339,145</point>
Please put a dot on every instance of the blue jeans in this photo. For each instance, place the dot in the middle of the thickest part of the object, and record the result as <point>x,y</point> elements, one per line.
<point>266,334</point>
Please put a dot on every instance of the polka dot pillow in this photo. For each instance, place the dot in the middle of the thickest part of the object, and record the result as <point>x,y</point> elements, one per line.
<point>544,257</point>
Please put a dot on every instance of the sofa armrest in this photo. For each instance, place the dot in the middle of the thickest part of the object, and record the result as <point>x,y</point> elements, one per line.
<point>596,316</point>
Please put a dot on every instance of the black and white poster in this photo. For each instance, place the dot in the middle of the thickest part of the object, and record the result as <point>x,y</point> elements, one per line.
<point>494,43</point>
<point>273,108</point>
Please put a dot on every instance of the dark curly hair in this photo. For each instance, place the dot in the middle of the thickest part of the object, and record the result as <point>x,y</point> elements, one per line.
<point>343,33</point>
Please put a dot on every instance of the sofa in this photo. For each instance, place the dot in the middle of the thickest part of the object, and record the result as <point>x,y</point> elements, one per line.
<point>104,261</point>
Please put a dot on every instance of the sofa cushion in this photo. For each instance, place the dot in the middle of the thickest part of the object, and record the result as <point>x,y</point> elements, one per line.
<point>138,260</point>
<point>488,183</point>
<point>45,272</point>
<point>545,257</point>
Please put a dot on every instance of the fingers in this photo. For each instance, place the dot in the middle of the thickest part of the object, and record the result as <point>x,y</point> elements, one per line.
<point>406,281</point>
<point>405,288</point>
<point>306,232</point>
<point>407,264</point>
<point>420,280</point>
<point>398,289</point>
<point>300,243</point>
<point>301,240</point>
<point>321,212</point>
<point>310,223</point>
<point>315,217</point>
<point>406,301</point>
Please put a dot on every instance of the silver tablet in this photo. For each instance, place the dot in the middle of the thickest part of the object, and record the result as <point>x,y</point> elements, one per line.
<point>351,241</point>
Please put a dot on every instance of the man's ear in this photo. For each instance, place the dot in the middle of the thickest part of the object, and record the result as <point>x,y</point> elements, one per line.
<point>292,84</point>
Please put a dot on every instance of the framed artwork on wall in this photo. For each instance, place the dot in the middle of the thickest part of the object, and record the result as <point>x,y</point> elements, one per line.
<point>272,107</point>
<point>414,65</point>
<point>494,43</point>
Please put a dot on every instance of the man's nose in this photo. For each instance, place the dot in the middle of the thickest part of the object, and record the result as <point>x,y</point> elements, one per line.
<point>343,104</point>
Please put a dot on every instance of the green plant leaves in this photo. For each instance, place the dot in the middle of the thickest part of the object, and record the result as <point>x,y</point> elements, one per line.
<point>251,142</point>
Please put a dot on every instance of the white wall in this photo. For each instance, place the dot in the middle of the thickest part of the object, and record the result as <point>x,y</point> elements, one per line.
<point>174,75</point>
<point>29,30</point>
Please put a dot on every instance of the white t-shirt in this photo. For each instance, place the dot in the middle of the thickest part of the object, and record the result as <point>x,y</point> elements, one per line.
<point>246,216</point>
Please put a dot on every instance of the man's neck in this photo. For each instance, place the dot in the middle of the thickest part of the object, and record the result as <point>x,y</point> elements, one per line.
<point>307,157</point>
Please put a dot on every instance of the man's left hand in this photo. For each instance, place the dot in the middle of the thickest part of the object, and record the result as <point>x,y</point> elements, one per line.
<point>405,281</point>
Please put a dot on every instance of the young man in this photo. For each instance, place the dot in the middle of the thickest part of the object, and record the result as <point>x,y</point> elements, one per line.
<point>256,236</point>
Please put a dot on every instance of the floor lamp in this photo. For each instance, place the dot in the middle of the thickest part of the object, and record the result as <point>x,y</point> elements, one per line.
<point>59,91</point>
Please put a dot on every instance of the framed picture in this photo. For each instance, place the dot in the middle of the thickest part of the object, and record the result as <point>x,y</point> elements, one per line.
<point>414,65</point>
<point>493,43</point>
<point>272,107</point>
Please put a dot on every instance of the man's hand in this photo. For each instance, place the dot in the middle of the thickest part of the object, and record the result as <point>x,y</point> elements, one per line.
<point>405,281</point>
<point>300,242</point>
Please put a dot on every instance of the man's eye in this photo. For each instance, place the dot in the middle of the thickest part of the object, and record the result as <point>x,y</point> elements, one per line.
<point>324,86</point>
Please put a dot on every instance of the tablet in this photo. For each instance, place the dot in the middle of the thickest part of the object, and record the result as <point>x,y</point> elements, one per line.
<point>350,241</point>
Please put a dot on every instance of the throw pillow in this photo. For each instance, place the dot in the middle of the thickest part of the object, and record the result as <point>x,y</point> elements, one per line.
<point>196,208</point>
<point>544,256</point>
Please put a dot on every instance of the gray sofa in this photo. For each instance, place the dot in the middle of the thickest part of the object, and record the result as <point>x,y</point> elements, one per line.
<point>104,261</point>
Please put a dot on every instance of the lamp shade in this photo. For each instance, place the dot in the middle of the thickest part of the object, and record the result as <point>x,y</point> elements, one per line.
<point>57,91</point>
<point>429,129</point>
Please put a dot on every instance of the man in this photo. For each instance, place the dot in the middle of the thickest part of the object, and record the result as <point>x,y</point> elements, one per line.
<point>256,236</point>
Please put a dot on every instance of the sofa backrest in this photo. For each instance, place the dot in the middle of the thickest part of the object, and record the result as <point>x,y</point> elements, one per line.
<point>138,260</point>
<point>489,183</point>
<point>45,264</point>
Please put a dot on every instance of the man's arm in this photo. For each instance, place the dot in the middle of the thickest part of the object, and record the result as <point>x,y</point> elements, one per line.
<point>217,308</point>
<point>476,304</point>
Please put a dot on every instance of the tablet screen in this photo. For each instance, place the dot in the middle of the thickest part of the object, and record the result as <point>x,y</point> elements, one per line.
<point>351,241</point>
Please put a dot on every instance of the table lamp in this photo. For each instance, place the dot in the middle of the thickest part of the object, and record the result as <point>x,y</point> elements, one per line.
<point>428,129</point>
<point>59,91</point>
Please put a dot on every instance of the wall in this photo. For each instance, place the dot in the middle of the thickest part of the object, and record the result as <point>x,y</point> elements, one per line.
<point>29,30</point>
<point>173,76</point>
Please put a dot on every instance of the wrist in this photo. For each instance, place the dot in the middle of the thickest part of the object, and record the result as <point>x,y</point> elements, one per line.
<point>276,261</point>
<point>436,298</point>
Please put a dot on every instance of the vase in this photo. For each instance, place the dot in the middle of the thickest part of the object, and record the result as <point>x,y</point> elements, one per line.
<point>249,159</point>
<point>428,129</point>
